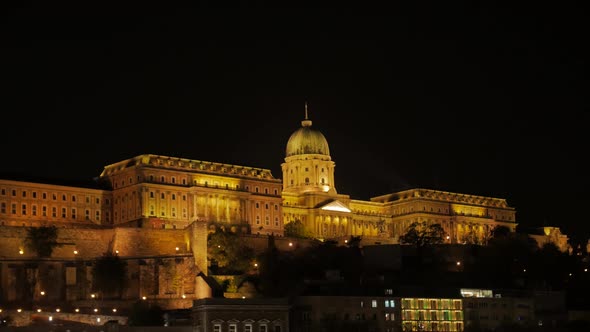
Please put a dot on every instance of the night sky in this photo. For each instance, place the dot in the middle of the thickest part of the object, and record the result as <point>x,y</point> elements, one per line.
<point>479,99</point>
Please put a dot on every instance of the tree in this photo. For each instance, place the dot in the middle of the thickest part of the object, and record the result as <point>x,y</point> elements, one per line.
<point>421,234</point>
<point>500,232</point>
<point>297,229</point>
<point>42,240</point>
<point>229,252</point>
<point>145,314</point>
<point>109,275</point>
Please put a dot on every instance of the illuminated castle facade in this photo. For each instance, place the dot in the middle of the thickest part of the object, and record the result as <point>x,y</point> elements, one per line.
<point>153,191</point>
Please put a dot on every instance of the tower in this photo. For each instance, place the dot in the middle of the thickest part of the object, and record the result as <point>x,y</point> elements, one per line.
<point>308,166</point>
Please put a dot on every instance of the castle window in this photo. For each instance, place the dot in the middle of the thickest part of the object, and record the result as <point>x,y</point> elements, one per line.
<point>54,196</point>
<point>87,214</point>
<point>152,212</point>
<point>276,192</point>
<point>13,208</point>
<point>323,181</point>
<point>34,194</point>
<point>97,200</point>
<point>256,189</point>
<point>267,220</point>
<point>54,212</point>
<point>173,197</point>
<point>247,188</point>
<point>173,179</point>
<point>306,180</point>
<point>276,221</point>
<point>44,195</point>
<point>64,213</point>
<point>291,181</point>
<point>184,181</point>
<point>162,195</point>
<point>266,190</point>
<point>97,215</point>
<point>266,206</point>
<point>162,178</point>
<point>24,193</point>
<point>257,220</point>
<point>151,178</point>
<point>276,207</point>
<point>257,205</point>
<point>74,214</point>
<point>64,198</point>
<point>44,211</point>
<point>130,180</point>
<point>184,197</point>
<point>73,198</point>
<point>306,169</point>
<point>2,207</point>
<point>14,193</point>
<point>24,209</point>
<point>151,194</point>
<point>3,192</point>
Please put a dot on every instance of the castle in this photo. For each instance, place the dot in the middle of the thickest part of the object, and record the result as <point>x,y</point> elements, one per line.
<point>151,209</point>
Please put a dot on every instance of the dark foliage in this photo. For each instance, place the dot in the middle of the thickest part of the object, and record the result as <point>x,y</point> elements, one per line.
<point>109,275</point>
<point>145,314</point>
<point>42,240</point>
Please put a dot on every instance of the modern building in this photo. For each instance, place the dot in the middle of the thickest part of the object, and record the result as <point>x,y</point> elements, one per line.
<point>376,313</point>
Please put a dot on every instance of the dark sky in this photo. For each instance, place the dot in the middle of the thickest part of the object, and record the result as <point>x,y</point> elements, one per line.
<point>481,99</point>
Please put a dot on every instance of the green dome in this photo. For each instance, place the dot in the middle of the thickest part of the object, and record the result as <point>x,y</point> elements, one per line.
<point>306,140</point>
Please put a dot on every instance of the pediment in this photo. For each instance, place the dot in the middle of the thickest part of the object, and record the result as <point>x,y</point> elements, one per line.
<point>335,206</point>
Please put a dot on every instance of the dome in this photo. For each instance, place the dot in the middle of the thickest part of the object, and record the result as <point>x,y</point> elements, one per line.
<point>306,140</point>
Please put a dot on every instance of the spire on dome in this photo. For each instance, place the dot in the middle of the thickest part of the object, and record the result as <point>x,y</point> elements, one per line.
<point>306,122</point>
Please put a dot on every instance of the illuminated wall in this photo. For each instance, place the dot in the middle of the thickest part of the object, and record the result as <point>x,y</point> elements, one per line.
<point>431,314</point>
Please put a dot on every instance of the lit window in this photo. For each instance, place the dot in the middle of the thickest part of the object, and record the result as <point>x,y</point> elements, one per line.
<point>233,328</point>
<point>217,328</point>
<point>373,303</point>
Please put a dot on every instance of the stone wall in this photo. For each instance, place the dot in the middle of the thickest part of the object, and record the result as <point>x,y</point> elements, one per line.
<point>91,243</point>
